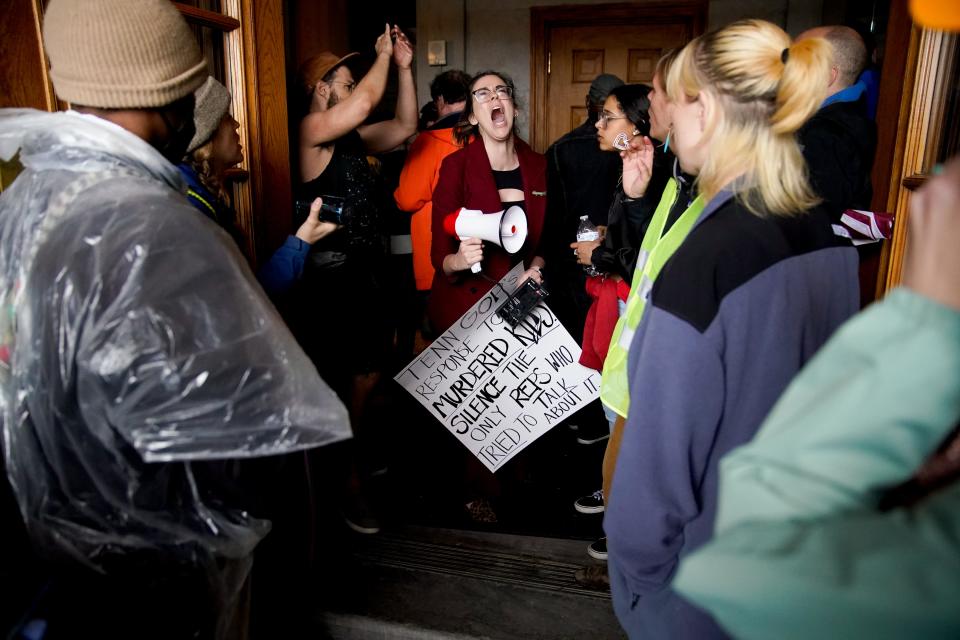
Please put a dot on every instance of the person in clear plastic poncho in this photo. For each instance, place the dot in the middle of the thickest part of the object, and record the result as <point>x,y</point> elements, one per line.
<point>136,348</point>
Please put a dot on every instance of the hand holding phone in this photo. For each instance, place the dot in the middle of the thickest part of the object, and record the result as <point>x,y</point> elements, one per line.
<point>331,209</point>
<point>313,228</point>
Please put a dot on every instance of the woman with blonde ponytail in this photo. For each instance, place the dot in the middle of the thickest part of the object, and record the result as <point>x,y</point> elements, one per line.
<point>759,90</point>
<point>735,307</point>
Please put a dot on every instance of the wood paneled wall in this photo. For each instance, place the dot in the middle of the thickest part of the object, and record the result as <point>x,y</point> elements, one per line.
<point>269,152</point>
<point>24,81</point>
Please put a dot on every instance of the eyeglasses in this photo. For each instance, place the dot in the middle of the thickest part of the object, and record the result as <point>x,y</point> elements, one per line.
<point>349,85</point>
<point>606,116</point>
<point>486,95</point>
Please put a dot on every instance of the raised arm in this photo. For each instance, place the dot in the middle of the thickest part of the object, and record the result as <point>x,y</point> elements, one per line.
<point>383,136</point>
<point>322,127</point>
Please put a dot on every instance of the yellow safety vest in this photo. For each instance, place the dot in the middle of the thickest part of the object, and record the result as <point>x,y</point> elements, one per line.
<point>655,250</point>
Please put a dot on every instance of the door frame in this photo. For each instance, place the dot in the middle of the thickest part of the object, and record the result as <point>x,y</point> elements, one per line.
<point>910,119</point>
<point>254,48</point>
<point>544,19</point>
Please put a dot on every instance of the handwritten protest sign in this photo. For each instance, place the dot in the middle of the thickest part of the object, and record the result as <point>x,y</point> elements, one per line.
<point>498,388</point>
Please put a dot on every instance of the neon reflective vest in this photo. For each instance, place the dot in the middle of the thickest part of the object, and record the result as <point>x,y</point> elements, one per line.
<point>655,250</point>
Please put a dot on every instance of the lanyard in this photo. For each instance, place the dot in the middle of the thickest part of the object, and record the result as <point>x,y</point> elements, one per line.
<point>191,192</point>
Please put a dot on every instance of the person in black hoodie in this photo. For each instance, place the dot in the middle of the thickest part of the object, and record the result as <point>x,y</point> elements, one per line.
<point>581,180</point>
<point>840,140</point>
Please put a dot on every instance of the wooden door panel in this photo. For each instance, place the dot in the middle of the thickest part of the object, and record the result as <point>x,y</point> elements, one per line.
<point>578,54</point>
<point>571,45</point>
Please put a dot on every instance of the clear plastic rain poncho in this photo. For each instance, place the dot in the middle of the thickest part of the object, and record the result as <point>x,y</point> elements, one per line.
<point>133,341</point>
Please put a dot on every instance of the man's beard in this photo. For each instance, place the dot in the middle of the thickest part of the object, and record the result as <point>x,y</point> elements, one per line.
<point>333,99</point>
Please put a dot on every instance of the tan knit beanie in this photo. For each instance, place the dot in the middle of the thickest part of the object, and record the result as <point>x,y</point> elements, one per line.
<point>121,54</point>
<point>212,103</point>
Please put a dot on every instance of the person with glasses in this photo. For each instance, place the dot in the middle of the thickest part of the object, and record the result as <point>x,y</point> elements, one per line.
<point>349,268</point>
<point>494,171</point>
<point>623,118</point>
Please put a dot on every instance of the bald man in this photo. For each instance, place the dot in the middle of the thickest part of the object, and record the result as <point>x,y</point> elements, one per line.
<point>839,141</point>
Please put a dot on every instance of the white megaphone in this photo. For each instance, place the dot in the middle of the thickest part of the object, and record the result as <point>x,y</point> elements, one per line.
<point>506,228</point>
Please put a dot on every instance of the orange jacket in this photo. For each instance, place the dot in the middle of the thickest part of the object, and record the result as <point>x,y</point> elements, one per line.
<point>415,194</point>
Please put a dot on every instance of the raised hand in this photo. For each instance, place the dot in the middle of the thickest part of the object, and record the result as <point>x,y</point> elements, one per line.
<point>402,49</point>
<point>384,44</point>
<point>637,166</point>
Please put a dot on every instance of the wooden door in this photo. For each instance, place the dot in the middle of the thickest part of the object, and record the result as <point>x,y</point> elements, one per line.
<point>249,50</point>
<point>571,45</point>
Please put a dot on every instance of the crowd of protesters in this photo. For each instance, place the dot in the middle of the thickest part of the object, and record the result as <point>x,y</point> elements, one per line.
<point>775,464</point>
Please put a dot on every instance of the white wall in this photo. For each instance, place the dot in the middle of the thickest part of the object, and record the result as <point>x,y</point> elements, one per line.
<point>439,20</point>
<point>495,34</point>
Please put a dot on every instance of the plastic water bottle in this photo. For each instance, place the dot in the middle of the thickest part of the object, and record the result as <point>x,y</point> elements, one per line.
<point>586,232</point>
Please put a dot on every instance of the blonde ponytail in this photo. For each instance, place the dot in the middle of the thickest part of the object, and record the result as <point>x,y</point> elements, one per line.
<point>797,100</point>
<point>765,89</point>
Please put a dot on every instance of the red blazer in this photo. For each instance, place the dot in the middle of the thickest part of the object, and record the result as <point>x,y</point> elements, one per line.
<point>466,180</point>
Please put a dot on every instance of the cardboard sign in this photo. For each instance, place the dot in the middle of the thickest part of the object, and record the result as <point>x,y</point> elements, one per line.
<point>498,388</point>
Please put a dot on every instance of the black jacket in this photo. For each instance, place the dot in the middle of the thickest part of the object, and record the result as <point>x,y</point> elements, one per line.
<point>839,143</point>
<point>581,181</point>
<point>628,219</point>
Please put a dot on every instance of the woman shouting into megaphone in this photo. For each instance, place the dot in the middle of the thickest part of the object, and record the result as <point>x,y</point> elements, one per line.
<point>493,172</point>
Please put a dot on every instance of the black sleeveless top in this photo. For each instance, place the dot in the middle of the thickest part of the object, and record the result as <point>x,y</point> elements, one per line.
<point>350,176</point>
<point>511,179</point>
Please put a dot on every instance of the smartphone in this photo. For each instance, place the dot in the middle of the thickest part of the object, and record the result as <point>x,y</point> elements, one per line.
<point>331,210</point>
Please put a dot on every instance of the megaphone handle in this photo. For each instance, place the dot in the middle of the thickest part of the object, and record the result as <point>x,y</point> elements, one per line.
<point>475,267</point>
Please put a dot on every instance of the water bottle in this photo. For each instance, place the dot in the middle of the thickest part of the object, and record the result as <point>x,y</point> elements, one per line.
<point>586,232</point>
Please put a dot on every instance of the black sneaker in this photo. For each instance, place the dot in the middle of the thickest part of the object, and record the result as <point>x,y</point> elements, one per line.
<point>359,516</point>
<point>481,511</point>
<point>593,577</point>
<point>598,549</point>
<point>592,503</point>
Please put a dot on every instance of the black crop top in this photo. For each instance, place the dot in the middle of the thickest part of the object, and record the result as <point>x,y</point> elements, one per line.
<point>511,179</point>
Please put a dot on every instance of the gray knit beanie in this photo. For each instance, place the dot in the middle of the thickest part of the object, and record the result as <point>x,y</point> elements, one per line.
<point>212,103</point>
<point>121,54</point>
